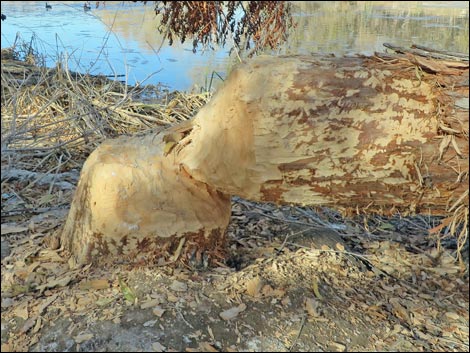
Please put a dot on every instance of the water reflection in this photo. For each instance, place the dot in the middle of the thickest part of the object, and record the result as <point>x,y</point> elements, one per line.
<point>362,26</point>
<point>121,37</point>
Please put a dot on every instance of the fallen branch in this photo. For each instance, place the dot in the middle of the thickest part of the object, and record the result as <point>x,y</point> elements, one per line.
<point>65,181</point>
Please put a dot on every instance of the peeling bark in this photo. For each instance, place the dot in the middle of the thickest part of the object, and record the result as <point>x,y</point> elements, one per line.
<point>368,134</point>
<point>343,132</point>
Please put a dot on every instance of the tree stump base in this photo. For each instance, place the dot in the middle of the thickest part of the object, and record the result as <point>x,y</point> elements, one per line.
<point>132,199</point>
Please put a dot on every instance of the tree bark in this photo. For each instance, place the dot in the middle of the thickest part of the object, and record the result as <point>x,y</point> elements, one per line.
<point>342,132</point>
<point>379,134</point>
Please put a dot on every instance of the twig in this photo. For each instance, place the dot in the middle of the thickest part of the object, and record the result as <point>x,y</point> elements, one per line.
<point>24,211</point>
<point>283,219</point>
<point>41,178</point>
<point>302,324</point>
<point>182,317</point>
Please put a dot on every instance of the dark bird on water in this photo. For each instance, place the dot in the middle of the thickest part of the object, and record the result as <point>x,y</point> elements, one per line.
<point>48,7</point>
<point>4,17</point>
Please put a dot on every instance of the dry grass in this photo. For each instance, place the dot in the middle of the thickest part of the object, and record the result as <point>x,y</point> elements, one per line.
<point>52,119</point>
<point>55,111</point>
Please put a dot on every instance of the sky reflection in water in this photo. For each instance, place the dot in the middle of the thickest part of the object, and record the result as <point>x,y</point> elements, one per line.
<point>121,38</point>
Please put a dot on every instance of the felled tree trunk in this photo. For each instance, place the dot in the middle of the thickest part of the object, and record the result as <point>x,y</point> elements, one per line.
<point>341,132</point>
<point>381,134</point>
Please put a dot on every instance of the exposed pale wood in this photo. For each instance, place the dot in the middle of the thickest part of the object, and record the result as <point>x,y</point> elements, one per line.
<point>359,134</point>
<point>133,199</point>
<point>350,133</point>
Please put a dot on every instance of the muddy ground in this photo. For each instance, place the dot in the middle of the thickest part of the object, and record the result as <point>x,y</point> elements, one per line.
<point>294,280</point>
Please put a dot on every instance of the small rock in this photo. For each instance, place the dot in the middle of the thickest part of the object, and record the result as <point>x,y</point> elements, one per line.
<point>232,312</point>
<point>6,302</point>
<point>179,286</point>
<point>337,347</point>
<point>150,323</point>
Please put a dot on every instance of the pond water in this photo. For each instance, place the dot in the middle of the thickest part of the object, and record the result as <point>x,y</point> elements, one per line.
<point>120,38</point>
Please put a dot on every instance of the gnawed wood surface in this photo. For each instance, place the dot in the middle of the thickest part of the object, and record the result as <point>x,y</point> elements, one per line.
<point>132,199</point>
<point>359,134</point>
<point>350,133</point>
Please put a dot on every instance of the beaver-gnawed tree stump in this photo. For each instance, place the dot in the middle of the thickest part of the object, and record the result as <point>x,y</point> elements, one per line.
<point>133,199</point>
<point>375,134</point>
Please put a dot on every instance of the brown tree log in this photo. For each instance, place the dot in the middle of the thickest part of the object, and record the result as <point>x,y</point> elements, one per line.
<point>342,132</point>
<point>364,134</point>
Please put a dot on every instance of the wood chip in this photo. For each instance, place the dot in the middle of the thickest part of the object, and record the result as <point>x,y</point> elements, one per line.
<point>95,284</point>
<point>21,311</point>
<point>336,347</point>
<point>82,338</point>
<point>232,313</point>
<point>253,287</point>
<point>150,303</point>
<point>207,347</point>
<point>311,306</point>
<point>452,315</point>
<point>158,311</point>
<point>339,246</point>
<point>158,347</point>
<point>178,286</point>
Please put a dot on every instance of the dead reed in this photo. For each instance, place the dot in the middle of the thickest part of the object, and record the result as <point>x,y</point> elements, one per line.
<point>52,119</point>
<point>55,111</point>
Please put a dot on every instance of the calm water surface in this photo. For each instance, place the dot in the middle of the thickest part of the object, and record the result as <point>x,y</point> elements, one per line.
<point>121,38</point>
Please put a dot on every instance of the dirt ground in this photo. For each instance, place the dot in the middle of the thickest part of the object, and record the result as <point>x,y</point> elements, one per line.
<point>294,280</point>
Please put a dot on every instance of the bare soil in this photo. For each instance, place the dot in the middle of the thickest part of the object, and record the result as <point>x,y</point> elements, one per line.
<point>294,280</point>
